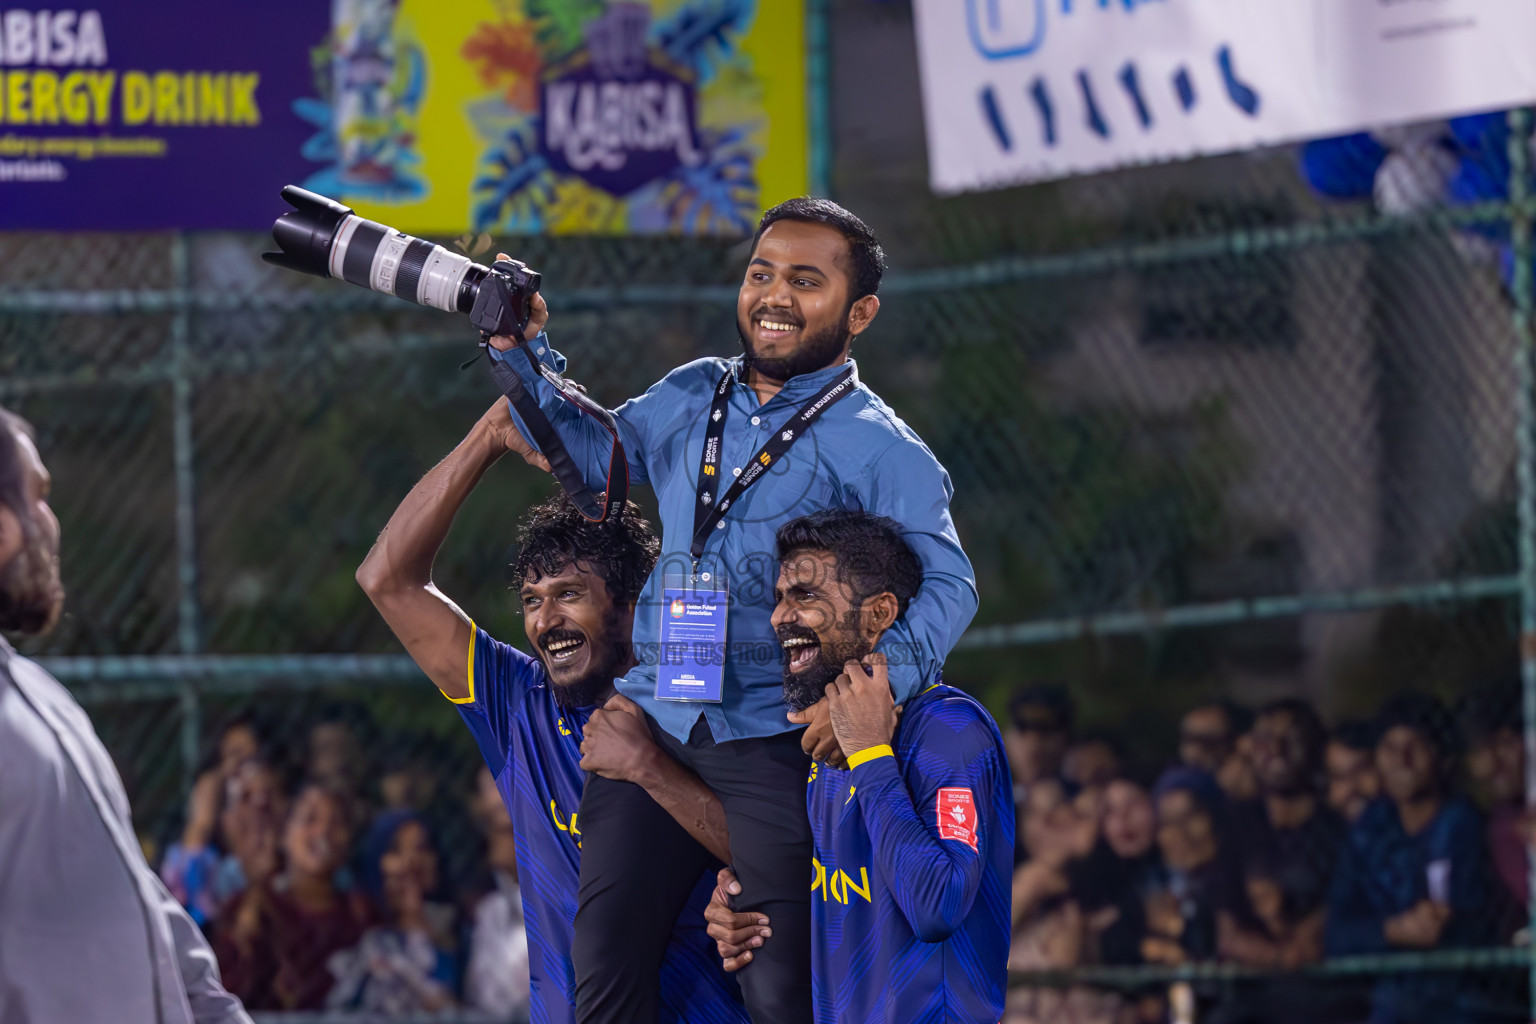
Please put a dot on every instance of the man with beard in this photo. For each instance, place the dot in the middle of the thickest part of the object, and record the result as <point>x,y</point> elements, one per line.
<point>542,722</point>
<point>1288,843</point>
<point>910,885</point>
<point>87,932</point>
<point>1289,832</point>
<point>702,437</point>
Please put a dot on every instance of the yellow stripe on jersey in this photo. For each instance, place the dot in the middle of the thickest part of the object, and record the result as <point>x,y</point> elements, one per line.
<point>864,756</point>
<point>471,698</point>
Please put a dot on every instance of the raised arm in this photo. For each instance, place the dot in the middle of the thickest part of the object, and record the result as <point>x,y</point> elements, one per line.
<point>908,484</point>
<point>397,574</point>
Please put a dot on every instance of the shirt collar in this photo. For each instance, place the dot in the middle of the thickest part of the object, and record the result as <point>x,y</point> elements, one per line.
<point>805,385</point>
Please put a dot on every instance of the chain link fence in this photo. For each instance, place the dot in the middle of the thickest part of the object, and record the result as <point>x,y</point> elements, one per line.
<point>1211,437</point>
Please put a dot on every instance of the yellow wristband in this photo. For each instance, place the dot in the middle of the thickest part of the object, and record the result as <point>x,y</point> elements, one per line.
<point>869,754</point>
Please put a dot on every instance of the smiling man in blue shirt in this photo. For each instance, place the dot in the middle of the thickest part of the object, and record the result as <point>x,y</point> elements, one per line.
<point>808,291</point>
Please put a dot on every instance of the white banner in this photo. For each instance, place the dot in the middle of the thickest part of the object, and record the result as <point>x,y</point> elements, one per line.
<point>1027,90</point>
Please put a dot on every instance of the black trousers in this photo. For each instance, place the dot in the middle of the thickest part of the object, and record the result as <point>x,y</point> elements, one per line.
<point>638,867</point>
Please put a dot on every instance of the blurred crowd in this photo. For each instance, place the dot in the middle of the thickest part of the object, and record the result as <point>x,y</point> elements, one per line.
<point>1269,841</point>
<point>323,884</point>
<point>1272,841</point>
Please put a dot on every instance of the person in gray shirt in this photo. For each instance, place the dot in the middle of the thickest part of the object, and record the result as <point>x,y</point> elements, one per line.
<point>87,931</point>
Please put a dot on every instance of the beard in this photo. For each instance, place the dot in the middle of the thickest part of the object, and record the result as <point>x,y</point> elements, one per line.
<point>596,683</point>
<point>31,592</point>
<point>591,689</point>
<point>809,685</point>
<point>816,352</point>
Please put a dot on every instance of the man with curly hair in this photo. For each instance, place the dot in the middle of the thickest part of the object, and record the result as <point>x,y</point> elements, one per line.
<point>542,723</point>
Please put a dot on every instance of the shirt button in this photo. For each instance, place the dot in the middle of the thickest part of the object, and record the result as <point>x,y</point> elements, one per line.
<point>736,471</point>
<point>756,420</point>
<point>720,525</point>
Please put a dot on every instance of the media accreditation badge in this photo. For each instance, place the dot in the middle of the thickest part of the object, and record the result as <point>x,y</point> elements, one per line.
<point>691,663</point>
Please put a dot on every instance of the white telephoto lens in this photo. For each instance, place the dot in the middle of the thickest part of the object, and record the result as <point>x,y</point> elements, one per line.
<point>441,278</point>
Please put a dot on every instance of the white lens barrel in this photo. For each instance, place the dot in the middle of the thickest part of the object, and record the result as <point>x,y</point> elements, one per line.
<point>339,247</point>
<point>441,278</point>
<point>385,260</point>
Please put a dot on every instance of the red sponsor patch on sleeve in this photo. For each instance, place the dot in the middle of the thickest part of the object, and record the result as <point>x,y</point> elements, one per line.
<point>956,813</point>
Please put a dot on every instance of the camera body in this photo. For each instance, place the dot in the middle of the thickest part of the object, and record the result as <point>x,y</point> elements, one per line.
<point>322,237</point>
<point>504,301</point>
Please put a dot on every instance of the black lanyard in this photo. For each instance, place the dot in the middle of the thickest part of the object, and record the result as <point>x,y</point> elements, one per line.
<point>711,507</point>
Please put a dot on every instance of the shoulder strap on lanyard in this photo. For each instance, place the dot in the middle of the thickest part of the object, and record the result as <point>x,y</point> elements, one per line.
<point>711,507</point>
<point>595,508</point>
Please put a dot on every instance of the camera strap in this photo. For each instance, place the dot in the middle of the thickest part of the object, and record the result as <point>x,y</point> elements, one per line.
<point>709,513</point>
<point>595,508</point>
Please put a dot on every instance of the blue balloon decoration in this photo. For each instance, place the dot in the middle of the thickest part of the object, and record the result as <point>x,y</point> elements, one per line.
<point>1343,167</point>
<point>1483,135</point>
<point>1346,167</point>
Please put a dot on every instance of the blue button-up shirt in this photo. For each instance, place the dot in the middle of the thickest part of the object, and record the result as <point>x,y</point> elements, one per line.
<point>858,455</point>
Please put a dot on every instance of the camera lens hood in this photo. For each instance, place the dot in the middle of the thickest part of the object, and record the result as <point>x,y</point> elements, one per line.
<point>305,235</point>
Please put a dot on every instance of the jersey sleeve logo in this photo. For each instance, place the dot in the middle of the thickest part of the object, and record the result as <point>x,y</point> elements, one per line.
<point>956,815</point>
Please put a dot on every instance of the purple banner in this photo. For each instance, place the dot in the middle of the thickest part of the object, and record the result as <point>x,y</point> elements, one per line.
<point>175,114</point>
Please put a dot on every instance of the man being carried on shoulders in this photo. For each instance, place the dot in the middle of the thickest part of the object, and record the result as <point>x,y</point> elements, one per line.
<point>734,449</point>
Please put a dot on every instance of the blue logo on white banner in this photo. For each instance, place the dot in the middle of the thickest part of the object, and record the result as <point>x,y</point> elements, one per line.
<point>1005,28</point>
<point>1029,90</point>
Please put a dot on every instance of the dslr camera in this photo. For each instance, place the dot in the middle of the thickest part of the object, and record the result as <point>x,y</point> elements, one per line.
<point>322,237</point>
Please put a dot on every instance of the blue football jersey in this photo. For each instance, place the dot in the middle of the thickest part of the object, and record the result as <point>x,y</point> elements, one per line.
<point>532,746</point>
<point>912,884</point>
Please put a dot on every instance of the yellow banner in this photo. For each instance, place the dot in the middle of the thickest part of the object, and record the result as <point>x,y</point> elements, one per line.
<point>565,116</point>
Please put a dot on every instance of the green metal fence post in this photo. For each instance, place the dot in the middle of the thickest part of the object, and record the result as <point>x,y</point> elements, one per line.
<point>188,624</point>
<point>818,98</point>
<point>1525,376</point>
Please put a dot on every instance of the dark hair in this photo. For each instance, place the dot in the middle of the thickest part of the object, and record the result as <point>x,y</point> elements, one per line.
<point>1425,715</point>
<point>350,807</point>
<point>866,258</point>
<point>1239,718</point>
<point>245,718</point>
<point>1355,734</point>
<point>353,715</point>
<point>1200,785</point>
<point>1139,774</point>
<point>553,535</point>
<point>1053,697</point>
<point>1100,737</point>
<point>872,558</point>
<point>376,843</point>
<point>1314,735</point>
<point>1490,709</point>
